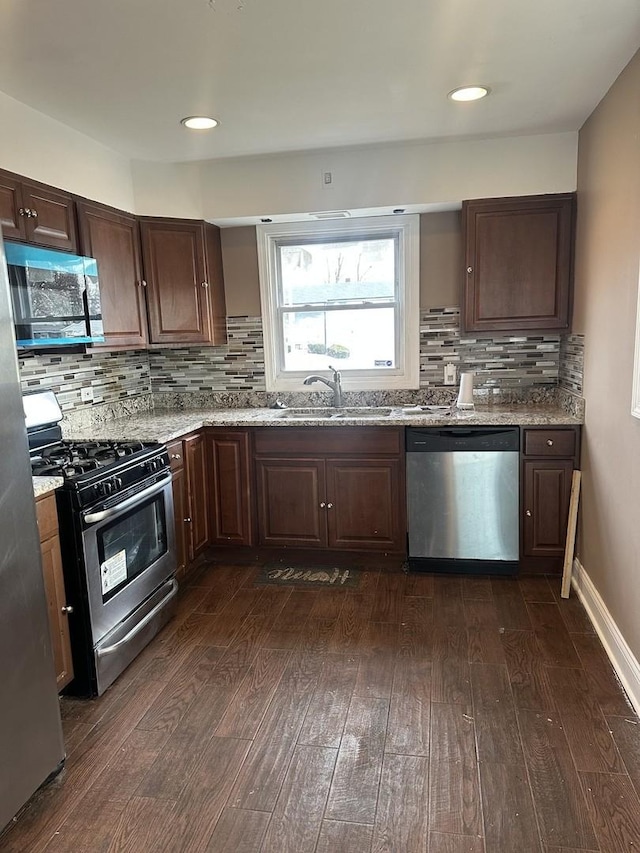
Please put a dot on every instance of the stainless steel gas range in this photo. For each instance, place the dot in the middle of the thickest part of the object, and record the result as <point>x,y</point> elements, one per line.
<point>115,511</point>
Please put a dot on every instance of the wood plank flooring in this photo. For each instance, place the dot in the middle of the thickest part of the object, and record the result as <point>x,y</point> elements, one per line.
<point>415,714</point>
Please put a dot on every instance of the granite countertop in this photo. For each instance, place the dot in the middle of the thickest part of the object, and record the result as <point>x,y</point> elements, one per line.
<point>45,485</point>
<point>164,426</point>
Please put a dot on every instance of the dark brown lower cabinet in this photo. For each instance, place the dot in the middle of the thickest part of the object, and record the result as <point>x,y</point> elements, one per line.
<point>321,498</point>
<point>549,456</point>
<point>547,490</point>
<point>54,589</point>
<point>364,501</point>
<point>198,493</point>
<point>190,499</point>
<point>229,485</point>
<point>291,502</point>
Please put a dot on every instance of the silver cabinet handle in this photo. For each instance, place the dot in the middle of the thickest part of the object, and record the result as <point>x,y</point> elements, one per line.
<point>187,520</point>
<point>142,283</point>
<point>469,270</point>
<point>205,284</point>
<point>67,608</point>
<point>550,442</point>
<point>322,505</point>
<point>176,456</point>
<point>34,213</point>
<point>22,211</point>
<point>329,506</point>
<point>528,513</point>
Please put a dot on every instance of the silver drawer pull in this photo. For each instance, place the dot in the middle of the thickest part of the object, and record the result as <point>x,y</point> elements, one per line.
<point>550,442</point>
<point>528,513</point>
<point>176,456</point>
<point>67,608</point>
<point>322,505</point>
<point>329,506</point>
<point>107,650</point>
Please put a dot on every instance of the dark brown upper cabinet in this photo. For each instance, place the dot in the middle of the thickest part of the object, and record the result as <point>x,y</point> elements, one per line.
<point>185,287</point>
<point>518,272</point>
<point>36,213</point>
<point>112,237</point>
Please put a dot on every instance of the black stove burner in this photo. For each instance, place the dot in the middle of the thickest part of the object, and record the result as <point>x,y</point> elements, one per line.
<point>71,459</point>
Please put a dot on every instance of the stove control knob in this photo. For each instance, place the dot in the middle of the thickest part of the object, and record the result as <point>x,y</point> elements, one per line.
<point>106,488</point>
<point>117,483</point>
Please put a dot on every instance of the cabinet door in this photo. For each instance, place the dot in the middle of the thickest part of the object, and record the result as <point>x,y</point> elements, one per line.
<point>194,451</point>
<point>177,287</point>
<point>113,239</point>
<point>180,513</point>
<point>291,502</point>
<point>58,618</point>
<point>547,490</point>
<point>364,504</point>
<point>229,488</point>
<point>12,221</point>
<point>51,219</point>
<point>518,263</point>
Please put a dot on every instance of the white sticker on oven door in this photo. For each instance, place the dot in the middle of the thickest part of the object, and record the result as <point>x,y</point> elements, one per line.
<point>114,571</point>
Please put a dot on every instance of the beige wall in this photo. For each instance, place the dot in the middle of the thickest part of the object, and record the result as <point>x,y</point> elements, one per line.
<point>440,264</point>
<point>440,259</point>
<point>38,147</point>
<point>240,262</point>
<point>607,264</point>
<point>367,177</point>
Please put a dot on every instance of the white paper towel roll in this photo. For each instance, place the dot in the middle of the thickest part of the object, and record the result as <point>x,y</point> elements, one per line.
<point>465,394</point>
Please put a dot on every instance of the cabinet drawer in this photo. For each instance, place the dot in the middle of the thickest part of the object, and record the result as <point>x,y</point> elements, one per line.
<point>176,455</point>
<point>549,442</point>
<point>47,514</point>
<point>328,440</point>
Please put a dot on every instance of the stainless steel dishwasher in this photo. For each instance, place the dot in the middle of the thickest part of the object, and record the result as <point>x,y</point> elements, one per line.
<point>462,499</point>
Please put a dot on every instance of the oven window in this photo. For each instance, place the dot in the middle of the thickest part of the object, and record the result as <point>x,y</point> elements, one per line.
<point>131,544</point>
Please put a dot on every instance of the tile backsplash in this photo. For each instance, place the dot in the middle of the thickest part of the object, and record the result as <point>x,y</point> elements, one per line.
<point>112,376</point>
<point>238,365</point>
<point>502,365</point>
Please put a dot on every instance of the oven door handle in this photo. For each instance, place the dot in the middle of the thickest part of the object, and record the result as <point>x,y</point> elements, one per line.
<point>108,650</point>
<point>94,517</point>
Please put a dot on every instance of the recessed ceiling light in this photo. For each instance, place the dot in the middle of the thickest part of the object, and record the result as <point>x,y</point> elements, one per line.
<point>469,93</point>
<point>199,122</point>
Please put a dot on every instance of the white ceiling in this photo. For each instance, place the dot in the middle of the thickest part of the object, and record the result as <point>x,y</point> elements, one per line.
<point>286,75</point>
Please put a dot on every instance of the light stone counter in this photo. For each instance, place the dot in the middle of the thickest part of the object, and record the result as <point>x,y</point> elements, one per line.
<point>45,485</point>
<point>164,426</point>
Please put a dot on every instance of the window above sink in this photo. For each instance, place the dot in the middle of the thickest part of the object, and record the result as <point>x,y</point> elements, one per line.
<point>344,293</point>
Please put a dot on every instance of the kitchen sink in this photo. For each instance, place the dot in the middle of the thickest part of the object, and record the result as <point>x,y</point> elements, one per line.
<point>331,413</point>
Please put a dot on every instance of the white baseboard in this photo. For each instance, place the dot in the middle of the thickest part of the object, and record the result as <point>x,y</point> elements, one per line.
<point>624,661</point>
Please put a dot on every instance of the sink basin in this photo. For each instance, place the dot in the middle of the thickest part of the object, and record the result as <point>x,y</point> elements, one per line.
<point>330,414</point>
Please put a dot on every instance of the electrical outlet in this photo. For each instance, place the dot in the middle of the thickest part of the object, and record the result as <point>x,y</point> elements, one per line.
<point>86,395</point>
<point>450,374</point>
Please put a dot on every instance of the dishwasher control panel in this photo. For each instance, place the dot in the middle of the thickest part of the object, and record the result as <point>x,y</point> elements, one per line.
<point>446,440</point>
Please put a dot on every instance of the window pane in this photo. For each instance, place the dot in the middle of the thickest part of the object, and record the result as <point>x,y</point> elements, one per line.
<point>339,273</point>
<point>362,339</point>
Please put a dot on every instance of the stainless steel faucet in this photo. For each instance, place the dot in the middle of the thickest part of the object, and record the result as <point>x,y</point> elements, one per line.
<point>333,384</point>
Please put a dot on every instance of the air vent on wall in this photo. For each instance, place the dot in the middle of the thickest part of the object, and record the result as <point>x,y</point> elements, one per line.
<point>331,214</point>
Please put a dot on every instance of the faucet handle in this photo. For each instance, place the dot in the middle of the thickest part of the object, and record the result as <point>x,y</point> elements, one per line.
<point>336,373</point>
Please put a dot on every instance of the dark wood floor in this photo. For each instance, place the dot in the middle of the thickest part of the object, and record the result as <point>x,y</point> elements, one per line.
<point>417,713</point>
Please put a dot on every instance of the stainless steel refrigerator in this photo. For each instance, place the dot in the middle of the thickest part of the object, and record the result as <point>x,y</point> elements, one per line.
<point>31,745</point>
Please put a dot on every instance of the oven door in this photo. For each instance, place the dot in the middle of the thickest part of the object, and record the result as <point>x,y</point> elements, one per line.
<point>129,552</point>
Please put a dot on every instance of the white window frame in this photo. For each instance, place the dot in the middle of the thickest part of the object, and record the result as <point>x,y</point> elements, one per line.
<point>406,374</point>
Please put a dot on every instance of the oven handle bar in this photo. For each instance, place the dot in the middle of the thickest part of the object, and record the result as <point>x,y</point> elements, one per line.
<point>94,517</point>
<point>108,650</point>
